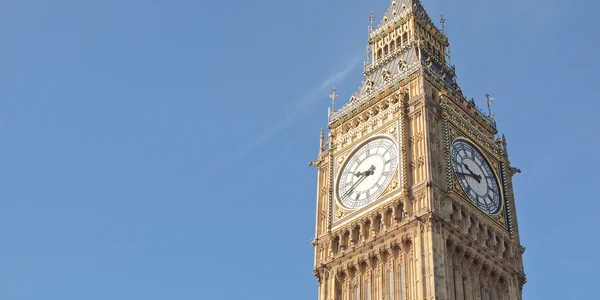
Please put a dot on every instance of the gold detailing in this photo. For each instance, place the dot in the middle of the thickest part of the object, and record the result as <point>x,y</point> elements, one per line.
<point>340,214</point>
<point>495,166</point>
<point>392,130</point>
<point>393,185</point>
<point>324,189</point>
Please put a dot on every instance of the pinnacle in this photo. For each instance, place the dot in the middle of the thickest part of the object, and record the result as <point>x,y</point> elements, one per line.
<point>400,8</point>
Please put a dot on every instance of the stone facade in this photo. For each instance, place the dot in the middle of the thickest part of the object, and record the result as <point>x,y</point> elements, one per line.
<point>423,237</point>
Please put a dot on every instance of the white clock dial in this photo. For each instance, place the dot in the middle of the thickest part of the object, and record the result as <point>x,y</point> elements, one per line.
<point>476,177</point>
<point>367,173</point>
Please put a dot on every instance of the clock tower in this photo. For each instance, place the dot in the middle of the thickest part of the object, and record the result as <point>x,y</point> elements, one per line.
<point>414,190</point>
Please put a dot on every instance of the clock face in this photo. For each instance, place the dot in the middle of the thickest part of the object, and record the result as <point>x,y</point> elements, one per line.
<point>367,172</point>
<point>476,177</point>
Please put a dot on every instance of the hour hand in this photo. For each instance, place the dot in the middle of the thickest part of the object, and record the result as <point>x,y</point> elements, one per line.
<point>468,169</point>
<point>368,172</point>
<point>371,170</point>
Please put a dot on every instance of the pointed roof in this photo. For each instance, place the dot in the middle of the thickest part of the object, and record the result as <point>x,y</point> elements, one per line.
<point>400,7</point>
<point>397,7</point>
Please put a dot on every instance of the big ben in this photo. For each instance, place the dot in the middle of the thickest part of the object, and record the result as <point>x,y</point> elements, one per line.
<point>414,190</point>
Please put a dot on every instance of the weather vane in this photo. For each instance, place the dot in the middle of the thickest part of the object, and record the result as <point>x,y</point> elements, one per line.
<point>489,102</point>
<point>333,96</point>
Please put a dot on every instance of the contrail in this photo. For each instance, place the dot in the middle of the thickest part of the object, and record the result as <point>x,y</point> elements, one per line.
<point>305,102</point>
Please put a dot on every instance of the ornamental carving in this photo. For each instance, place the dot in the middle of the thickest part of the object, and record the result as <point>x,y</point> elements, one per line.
<point>340,213</point>
<point>324,189</point>
<point>392,130</point>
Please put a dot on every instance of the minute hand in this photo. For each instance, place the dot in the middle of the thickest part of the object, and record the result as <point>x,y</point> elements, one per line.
<point>477,177</point>
<point>364,175</point>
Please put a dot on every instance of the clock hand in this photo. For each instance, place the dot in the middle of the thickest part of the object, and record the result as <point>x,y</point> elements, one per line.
<point>477,177</point>
<point>364,175</point>
<point>354,186</point>
<point>371,170</point>
<point>367,172</point>
<point>467,167</point>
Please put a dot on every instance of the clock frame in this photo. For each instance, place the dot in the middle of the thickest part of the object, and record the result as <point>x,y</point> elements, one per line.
<point>476,177</point>
<point>367,172</point>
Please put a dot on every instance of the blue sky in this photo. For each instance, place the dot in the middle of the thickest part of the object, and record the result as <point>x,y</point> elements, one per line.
<point>159,149</point>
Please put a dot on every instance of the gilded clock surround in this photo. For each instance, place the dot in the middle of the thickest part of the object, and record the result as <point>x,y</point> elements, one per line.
<point>488,150</point>
<point>422,228</point>
<point>391,179</point>
<point>388,131</point>
<point>494,168</point>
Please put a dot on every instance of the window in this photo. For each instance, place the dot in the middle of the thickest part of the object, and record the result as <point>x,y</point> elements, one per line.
<point>368,292</point>
<point>464,286</point>
<point>391,285</point>
<point>481,290</point>
<point>357,293</point>
<point>454,281</point>
<point>402,283</point>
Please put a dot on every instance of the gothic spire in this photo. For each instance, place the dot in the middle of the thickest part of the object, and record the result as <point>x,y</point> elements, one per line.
<point>399,8</point>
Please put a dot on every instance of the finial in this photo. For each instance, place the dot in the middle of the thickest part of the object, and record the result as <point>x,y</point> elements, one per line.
<point>504,146</point>
<point>489,102</point>
<point>371,20</point>
<point>333,96</point>
<point>321,140</point>
<point>443,22</point>
<point>445,32</point>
